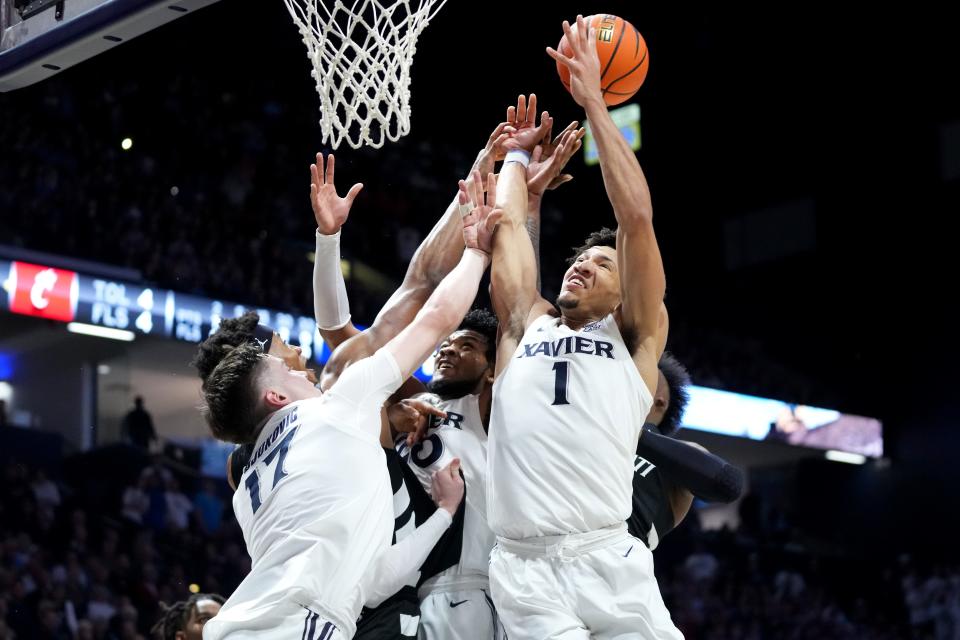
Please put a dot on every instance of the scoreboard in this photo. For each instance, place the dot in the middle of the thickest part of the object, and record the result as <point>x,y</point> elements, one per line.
<point>69,296</point>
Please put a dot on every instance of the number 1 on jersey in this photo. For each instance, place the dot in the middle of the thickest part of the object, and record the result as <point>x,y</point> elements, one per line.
<point>560,384</point>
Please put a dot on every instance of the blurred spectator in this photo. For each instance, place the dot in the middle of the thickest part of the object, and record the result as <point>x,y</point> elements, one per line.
<point>45,491</point>
<point>136,501</point>
<point>138,426</point>
<point>184,620</point>
<point>92,583</point>
<point>209,508</point>
<point>178,506</point>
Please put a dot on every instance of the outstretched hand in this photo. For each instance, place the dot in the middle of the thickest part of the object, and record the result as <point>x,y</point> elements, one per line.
<point>481,216</point>
<point>584,65</point>
<point>494,150</point>
<point>526,132</point>
<point>329,209</point>
<point>548,160</point>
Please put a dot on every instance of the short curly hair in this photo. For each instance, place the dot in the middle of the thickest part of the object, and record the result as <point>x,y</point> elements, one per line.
<point>231,333</point>
<point>176,616</point>
<point>485,323</point>
<point>678,382</point>
<point>606,237</point>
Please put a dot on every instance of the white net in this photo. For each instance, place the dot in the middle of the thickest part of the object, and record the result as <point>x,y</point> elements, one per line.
<point>361,56</point>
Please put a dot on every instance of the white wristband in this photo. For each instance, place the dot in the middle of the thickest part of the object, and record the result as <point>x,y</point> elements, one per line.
<point>518,155</point>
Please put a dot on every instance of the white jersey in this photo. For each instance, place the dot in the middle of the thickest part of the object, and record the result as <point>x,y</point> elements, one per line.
<point>315,505</point>
<point>566,418</point>
<point>460,435</point>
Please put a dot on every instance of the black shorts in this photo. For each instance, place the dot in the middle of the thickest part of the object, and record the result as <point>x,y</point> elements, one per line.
<point>396,619</point>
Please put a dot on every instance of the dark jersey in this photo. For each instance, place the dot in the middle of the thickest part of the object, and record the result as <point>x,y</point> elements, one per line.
<point>652,515</point>
<point>411,508</point>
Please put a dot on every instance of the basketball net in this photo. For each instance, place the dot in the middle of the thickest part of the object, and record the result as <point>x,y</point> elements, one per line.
<point>361,56</point>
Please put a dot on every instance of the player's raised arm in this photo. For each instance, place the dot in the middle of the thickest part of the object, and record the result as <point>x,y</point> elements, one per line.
<point>514,275</point>
<point>545,173</point>
<point>642,281</point>
<point>331,307</point>
<point>437,255</point>
<point>451,300</point>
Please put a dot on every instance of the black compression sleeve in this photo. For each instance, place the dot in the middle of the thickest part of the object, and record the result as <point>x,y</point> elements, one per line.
<point>705,475</point>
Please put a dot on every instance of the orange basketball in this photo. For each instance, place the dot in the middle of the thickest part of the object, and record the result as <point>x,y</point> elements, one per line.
<point>623,57</point>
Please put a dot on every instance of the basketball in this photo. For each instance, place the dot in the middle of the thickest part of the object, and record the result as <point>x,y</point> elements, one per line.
<point>623,57</point>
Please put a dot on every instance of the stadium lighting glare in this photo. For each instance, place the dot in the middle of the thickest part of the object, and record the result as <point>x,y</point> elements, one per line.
<point>843,456</point>
<point>100,332</point>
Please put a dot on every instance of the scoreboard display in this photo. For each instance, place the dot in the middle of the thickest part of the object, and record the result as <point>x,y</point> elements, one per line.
<point>69,296</point>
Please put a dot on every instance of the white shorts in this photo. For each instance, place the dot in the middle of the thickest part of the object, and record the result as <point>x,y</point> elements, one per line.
<point>596,585</point>
<point>303,624</point>
<point>459,615</point>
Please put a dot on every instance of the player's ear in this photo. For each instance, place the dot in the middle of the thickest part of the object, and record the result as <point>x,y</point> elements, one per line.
<point>181,635</point>
<point>276,399</point>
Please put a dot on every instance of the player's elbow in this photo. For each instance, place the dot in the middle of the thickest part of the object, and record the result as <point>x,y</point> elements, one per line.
<point>635,218</point>
<point>729,485</point>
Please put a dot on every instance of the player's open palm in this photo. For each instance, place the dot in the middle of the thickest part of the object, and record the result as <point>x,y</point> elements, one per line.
<point>584,65</point>
<point>526,133</point>
<point>482,215</point>
<point>447,488</point>
<point>329,209</point>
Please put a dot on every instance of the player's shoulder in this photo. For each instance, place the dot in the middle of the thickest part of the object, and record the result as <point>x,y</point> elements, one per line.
<point>542,313</point>
<point>348,353</point>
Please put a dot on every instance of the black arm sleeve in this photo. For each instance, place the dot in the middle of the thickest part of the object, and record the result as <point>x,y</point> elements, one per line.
<point>705,475</point>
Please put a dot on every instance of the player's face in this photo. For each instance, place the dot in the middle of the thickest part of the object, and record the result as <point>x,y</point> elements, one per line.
<point>661,401</point>
<point>461,358</point>
<point>592,283</point>
<point>204,610</point>
<point>293,356</point>
<point>286,383</point>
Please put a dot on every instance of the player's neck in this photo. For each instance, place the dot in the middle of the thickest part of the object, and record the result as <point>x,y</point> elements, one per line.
<point>259,428</point>
<point>577,322</point>
<point>485,402</point>
<point>456,390</point>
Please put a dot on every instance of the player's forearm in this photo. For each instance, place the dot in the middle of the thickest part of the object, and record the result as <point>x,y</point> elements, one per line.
<point>512,193</point>
<point>439,252</point>
<point>400,564</point>
<point>514,262</point>
<point>452,298</point>
<point>533,228</point>
<point>623,178</point>
<point>331,307</point>
<point>441,313</point>
<point>705,475</point>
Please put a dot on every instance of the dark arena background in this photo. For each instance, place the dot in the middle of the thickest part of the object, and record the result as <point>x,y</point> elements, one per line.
<point>804,164</point>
